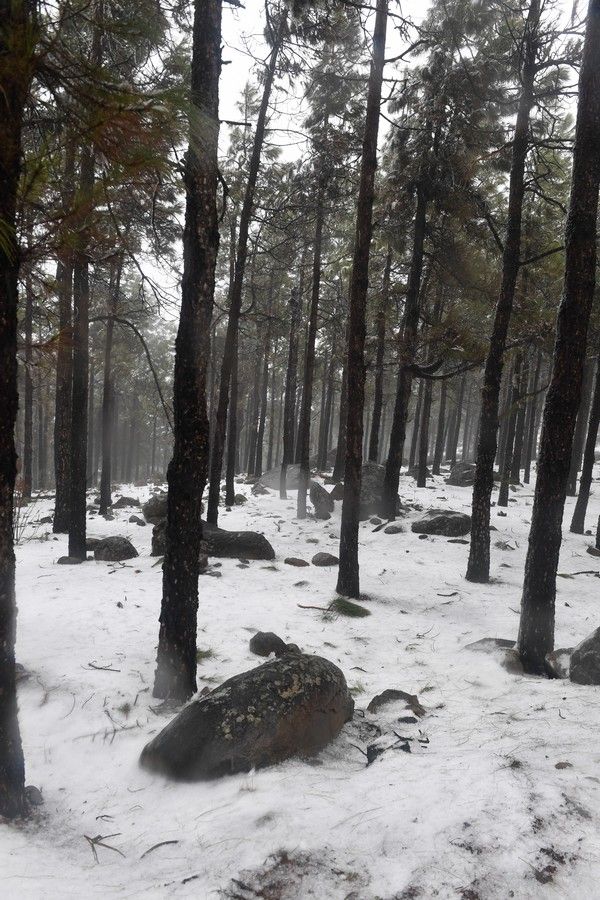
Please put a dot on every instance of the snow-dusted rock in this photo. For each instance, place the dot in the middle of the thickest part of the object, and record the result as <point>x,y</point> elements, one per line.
<point>114,549</point>
<point>291,706</point>
<point>221,543</point>
<point>558,662</point>
<point>462,475</point>
<point>585,660</point>
<point>446,522</point>
<point>263,643</point>
<point>155,509</point>
<point>324,559</point>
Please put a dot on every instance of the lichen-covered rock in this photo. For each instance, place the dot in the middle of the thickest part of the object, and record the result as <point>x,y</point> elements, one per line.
<point>221,543</point>
<point>114,549</point>
<point>585,660</point>
<point>321,500</point>
<point>288,707</point>
<point>155,509</point>
<point>446,522</point>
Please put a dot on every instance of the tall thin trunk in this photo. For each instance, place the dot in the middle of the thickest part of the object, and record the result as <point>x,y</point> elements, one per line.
<point>441,427</point>
<point>235,305</point>
<point>415,429</point>
<point>91,422</point>
<point>348,575</point>
<point>340,454</point>
<point>518,450</point>
<point>28,400</point>
<point>513,411</point>
<point>309,358</point>
<point>589,456</point>
<point>478,568</point>
<point>232,434</point>
<point>176,659</point>
<point>17,46</point>
<point>380,356</point>
<point>581,427</point>
<point>536,631</point>
<point>108,399</point>
<point>291,378</point>
<point>532,418</point>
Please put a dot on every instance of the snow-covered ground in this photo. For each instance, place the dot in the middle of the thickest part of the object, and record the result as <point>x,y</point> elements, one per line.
<point>503,800</point>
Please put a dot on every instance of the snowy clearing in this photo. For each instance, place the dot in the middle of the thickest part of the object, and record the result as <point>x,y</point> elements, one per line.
<point>498,797</point>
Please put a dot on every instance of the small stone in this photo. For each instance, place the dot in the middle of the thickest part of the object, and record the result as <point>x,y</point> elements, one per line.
<point>136,520</point>
<point>295,561</point>
<point>375,520</point>
<point>593,551</point>
<point>394,528</point>
<point>457,541</point>
<point>69,561</point>
<point>263,643</point>
<point>392,695</point>
<point>114,549</point>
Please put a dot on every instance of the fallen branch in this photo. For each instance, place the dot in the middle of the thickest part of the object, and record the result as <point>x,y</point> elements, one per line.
<point>156,846</point>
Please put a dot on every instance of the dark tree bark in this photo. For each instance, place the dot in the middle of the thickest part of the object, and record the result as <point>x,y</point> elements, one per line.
<point>389,499</point>
<point>424,434</point>
<point>415,429</point>
<point>441,430</point>
<point>532,418</point>
<point>27,470</point>
<point>232,433</point>
<point>478,568</point>
<point>108,404</point>
<point>325,428</point>
<point>17,45</point>
<point>291,378</point>
<point>309,357</point>
<point>186,476</point>
<point>264,392</point>
<point>589,456</point>
<point>518,450</point>
<point>455,433</point>
<point>536,631</point>
<point>379,359</point>
<point>340,453</point>
<point>513,411</point>
<point>235,305</point>
<point>581,427</point>
<point>253,412</point>
<point>91,474</point>
<point>348,574</point>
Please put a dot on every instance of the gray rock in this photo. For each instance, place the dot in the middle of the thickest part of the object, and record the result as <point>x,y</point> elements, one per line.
<point>69,561</point>
<point>259,489</point>
<point>446,522</point>
<point>371,486</point>
<point>155,509</point>
<point>271,479</point>
<point>295,561</point>
<point>289,707</point>
<point>502,649</point>
<point>263,643</point>
<point>221,543</point>
<point>137,520</point>
<point>324,559</point>
<point>462,475</point>
<point>394,528</point>
<point>124,502</point>
<point>321,500</point>
<point>558,662</point>
<point>240,499</point>
<point>114,549</point>
<point>92,542</point>
<point>337,491</point>
<point>391,695</point>
<point>585,660</point>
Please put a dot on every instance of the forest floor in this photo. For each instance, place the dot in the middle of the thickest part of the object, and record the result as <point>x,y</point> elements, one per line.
<point>499,796</point>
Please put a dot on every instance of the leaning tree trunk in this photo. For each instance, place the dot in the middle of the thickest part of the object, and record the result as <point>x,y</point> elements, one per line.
<point>186,477</point>
<point>589,457</point>
<point>235,306</point>
<point>17,45</point>
<point>478,568</point>
<point>536,631</point>
<point>381,327</point>
<point>348,575</point>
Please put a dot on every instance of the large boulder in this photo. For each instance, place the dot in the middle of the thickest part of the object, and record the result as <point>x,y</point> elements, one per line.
<point>114,549</point>
<point>289,707</point>
<point>462,474</point>
<point>124,502</point>
<point>446,522</point>
<point>155,509</point>
<point>321,500</point>
<point>585,660</point>
<point>221,543</point>
<point>271,479</point>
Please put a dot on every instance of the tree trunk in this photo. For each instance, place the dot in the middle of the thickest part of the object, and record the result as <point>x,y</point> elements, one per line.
<point>232,433</point>
<point>581,427</point>
<point>235,305</point>
<point>532,418</point>
<point>348,574</point>
<point>309,359</point>
<point>27,470</point>
<point>441,428</point>
<point>17,46</point>
<point>589,457</point>
<point>291,378</point>
<point>108,404</point>
<point>389,498</point>
<point>186,477</point>
<point>478,568</point>
<point>513,410</point>
<point>340,453</point>
<point>536,631</point>
<point>379,359</point>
